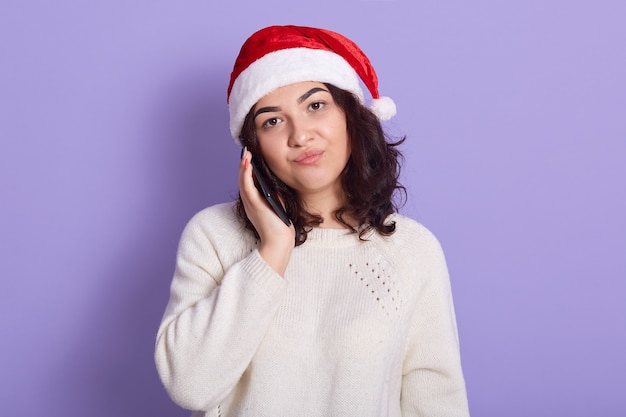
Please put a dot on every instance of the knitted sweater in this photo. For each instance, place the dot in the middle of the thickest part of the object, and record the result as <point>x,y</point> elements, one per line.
<point>353,329</point>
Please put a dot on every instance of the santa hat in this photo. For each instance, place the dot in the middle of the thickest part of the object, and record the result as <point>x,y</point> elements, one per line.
<point>277,56</point>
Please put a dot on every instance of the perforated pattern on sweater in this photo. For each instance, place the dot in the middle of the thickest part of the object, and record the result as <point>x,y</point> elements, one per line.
<point>380,284</point>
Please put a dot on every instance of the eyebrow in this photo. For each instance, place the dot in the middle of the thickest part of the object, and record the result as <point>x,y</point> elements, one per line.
<point>265,110</point>
<point>300,100</point>
<point>310,93</point>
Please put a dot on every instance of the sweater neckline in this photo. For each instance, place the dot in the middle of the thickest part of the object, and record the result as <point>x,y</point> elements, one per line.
<point>333,237</point>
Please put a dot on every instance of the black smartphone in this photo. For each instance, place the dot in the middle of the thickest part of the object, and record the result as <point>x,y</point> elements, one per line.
<point>268,195</point>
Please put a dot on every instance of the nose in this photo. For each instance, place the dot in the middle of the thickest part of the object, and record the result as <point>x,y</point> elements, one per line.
<point>301,132</point>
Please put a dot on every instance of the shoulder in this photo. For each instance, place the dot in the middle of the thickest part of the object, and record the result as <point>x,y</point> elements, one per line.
<point>415,252</point>
<point>218,224</point>
<point>217,216</point>
<point>412,240</point>
<point>412,230</point>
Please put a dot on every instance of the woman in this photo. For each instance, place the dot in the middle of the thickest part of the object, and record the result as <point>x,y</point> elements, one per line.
<point>346,309</point>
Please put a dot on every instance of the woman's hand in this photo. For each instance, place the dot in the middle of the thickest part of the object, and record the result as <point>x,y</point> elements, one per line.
<point>277,239</point>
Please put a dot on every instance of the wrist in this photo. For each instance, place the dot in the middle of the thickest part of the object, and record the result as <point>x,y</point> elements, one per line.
<point>277,255</point>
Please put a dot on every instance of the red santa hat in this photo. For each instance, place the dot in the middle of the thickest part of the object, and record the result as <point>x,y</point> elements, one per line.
<point>277,56</point>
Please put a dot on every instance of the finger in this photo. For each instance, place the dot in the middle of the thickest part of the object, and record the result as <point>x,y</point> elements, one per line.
<point>249,194</point>
<point>245,171</point>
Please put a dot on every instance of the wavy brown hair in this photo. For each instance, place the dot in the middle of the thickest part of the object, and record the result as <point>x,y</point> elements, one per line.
<point>369,179</point>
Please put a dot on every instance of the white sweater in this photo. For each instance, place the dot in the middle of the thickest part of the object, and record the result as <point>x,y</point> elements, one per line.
<point>354,329</point>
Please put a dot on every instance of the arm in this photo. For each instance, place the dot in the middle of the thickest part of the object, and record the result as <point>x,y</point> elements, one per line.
<point>217,315</point>
<point>214,321</point>
<point>433,383</point>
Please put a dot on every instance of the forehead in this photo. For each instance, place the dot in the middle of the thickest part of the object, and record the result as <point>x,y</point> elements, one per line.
<point>290,92</point>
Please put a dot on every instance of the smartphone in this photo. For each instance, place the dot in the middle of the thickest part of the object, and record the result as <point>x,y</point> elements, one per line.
<point>268,195</point>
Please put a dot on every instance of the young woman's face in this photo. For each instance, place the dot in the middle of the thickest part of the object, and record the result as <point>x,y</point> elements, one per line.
<point>303,137</point>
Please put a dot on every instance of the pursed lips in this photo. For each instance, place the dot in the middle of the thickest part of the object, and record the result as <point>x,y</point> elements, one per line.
<point>309,157</point>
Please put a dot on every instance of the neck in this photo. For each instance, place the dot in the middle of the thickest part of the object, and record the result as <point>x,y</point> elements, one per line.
<point>326,206</point>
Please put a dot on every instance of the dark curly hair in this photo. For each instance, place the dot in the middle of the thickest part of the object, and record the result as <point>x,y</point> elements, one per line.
<point>369,179</point>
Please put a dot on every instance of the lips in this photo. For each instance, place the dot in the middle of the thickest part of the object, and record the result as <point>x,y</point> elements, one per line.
<point>309,157</point>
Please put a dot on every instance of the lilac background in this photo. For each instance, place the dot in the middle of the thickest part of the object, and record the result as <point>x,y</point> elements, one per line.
<point>113,129</point>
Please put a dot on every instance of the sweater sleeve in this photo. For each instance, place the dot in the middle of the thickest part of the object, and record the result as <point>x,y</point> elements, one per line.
<point>433,382</point>
<point>215,320</point>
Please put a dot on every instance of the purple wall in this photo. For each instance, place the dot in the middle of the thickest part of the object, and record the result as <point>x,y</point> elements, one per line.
<point>114,131</point>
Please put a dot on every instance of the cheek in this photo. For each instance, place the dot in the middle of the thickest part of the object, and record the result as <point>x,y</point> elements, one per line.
<point>272,154</point>
<point>265,147</point>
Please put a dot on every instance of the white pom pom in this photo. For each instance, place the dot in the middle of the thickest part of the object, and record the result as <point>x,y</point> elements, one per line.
<point>384,108</point>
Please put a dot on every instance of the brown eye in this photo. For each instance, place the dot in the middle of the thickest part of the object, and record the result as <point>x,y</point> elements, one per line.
<point>317,105</point>
<point>271,122</point>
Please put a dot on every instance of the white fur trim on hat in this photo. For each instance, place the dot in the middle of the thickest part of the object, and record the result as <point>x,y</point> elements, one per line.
<point>383,107</point>
<point>284,67</point>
